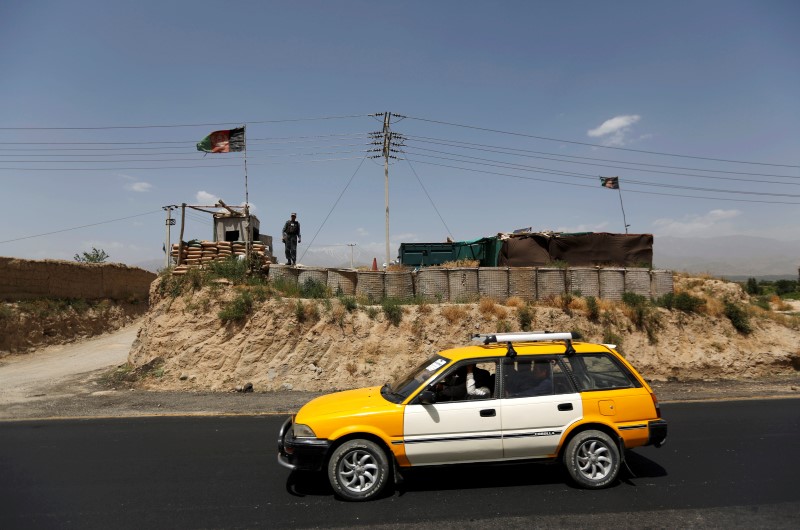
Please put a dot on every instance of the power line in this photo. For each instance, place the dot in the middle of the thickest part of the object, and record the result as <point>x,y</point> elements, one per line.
<point>79,227</point>
<point>595,187</point>
<point>228,123</point>
<point>600,146</point>
<point>449,232</point>
<point>517,151</point>
<point>520,167</point>
<point>748,180</point>
<point>336,202</point>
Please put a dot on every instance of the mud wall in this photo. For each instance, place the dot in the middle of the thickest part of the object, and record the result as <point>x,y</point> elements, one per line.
<point>22,279</point>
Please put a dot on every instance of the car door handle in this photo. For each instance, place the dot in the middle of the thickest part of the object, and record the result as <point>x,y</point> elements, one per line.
<point>564,406</point>
<point>488,413</point>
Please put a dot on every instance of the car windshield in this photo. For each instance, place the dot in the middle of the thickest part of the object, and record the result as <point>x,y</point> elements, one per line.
<point>403,387</point>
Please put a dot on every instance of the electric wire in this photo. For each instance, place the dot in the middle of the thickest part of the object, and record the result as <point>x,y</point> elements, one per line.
<point>595,187</point>
<point>336,202</point>
<point>520,167</point>
<point>599,146</point>
<point>79,227</point>
<point>523,152</point>
<point>449,232</point>
<point>221,124</point>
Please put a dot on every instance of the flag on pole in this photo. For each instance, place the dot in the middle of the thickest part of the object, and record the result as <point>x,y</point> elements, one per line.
<point>611,183</point>
<point>223,141</point>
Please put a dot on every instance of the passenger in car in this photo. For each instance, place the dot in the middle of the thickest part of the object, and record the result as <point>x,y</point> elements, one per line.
<point>524,382</point>
<point>477,382</point>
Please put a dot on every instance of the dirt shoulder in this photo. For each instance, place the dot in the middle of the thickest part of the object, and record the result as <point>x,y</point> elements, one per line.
<point>90,396</point>
<point>76,381</point>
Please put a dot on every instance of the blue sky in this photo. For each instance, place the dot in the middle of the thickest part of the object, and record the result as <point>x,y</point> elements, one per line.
<point>500,101</point>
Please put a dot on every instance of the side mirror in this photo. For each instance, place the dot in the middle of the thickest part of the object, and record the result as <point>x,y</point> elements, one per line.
<point>427,397</point>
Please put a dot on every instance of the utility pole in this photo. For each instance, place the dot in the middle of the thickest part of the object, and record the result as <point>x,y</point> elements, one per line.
<point>352,246</point>
<point>169,222</point>
<point>388,141</point>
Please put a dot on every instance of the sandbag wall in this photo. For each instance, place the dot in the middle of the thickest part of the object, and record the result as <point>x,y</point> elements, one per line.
<point>196,253</point>
<point>462,285</point>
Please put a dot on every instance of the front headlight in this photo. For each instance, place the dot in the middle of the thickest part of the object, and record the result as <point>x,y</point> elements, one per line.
<point>303,431</point>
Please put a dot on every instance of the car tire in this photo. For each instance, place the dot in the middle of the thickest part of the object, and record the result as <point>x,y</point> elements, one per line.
<point>592,459</point>
<point>358,470</point>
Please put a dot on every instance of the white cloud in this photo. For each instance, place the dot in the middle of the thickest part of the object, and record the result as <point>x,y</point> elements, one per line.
<point>599,227</point>
<point>140,187</point>
<point>206,199</point>
<point>713,223</point>
<point>362,232</point>
<point>615,131</point>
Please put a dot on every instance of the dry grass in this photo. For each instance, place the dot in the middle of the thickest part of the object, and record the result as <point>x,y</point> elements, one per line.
<point>424,308</point>
<point>516,301</point>
<point>488,307</point>
<point>454,313</point>
<point>778,304</point>
<point>461,263</point>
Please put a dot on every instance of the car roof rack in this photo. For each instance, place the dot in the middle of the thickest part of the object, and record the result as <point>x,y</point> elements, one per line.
<point>525,336</point>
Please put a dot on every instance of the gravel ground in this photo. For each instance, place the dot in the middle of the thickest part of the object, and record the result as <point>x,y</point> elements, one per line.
<point>92,396</point>
<point>75,381</point>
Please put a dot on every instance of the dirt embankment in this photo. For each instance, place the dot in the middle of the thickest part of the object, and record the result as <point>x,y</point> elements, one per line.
<point>27,326</point>
<point>319,345</point>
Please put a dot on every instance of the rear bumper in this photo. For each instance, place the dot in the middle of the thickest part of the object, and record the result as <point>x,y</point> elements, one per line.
<point>658,432</point>
<point>307,454</point>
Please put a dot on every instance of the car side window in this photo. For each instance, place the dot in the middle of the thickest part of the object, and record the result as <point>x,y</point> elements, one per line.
<point>598,371</point>
<point>467,381</point>
<point>527,377</point>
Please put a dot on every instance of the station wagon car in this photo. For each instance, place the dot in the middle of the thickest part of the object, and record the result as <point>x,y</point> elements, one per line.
<point>510,397</point>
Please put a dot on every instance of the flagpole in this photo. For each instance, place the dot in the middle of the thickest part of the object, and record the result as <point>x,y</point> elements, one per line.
<point>624,221</point>
<point>248,241</point>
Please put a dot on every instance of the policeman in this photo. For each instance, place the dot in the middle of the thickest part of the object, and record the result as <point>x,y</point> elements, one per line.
<point>291,237</point>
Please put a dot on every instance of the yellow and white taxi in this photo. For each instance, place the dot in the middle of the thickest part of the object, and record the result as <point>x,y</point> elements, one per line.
<point>510,397</point>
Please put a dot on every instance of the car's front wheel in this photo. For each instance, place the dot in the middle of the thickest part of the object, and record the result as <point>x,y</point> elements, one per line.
<point>592,459</point>
<point>358,470</point>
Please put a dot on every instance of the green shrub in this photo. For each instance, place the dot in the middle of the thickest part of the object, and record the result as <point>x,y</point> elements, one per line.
<point>592,309</point>
<point>682,302</point>
<point>752,287</point>
<point>525,317</point>
<point>393,310</point>
<point>237,309</point>
<point>762,302</point>
<point>349,303</point>
<point>738,317</point>
<point>232,269</point>
<point>609,337</point>
<point>633,300</point>
<point>312,288</point>
<point>372,312</point>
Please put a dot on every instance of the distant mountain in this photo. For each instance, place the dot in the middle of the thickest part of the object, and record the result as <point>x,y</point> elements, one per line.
<point>728,256</point>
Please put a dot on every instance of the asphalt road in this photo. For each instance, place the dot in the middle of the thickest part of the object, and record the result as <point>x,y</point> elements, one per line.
<point>726,464</point>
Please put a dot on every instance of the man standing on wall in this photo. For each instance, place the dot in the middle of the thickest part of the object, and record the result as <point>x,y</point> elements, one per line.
<point>291,237</point>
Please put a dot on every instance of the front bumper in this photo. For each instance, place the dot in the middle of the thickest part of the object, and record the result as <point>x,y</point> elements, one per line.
<point>658,432</point>
<point>307,454</point>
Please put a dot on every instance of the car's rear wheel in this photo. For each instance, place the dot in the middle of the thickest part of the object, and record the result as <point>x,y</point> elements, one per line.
<point>592,459</point>
<point>358,470</point>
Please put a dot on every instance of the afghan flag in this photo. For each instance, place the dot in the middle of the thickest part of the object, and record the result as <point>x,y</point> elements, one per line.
<point>611,183</point>
<point>223,141</point>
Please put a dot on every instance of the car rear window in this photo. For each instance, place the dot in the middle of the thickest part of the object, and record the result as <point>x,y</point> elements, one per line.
<point>599,371</point>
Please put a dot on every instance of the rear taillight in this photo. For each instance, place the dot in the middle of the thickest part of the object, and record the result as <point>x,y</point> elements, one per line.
<point>655,404</point>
